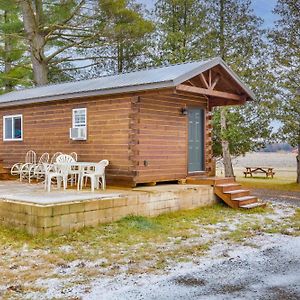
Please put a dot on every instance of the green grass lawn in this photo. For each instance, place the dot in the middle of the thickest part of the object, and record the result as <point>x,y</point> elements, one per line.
<point>286,183</point>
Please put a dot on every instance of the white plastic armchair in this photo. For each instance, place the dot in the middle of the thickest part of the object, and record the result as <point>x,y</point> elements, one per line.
<point>97,176</point>
<point>38,171</point>
<point>22,168</point>
<point>54,157</point>
<point>52,171</point>
<point>63,162</point>
<point>74,155</point>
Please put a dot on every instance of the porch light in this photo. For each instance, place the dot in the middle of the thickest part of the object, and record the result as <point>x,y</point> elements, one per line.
<point>183,111</point>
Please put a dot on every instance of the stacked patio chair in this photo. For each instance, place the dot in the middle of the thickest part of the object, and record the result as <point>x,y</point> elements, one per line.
<point>96,176</point>
<point>38,170</point>
<point>54,157</point>
<point>74,155</point>
<point>18,168</point>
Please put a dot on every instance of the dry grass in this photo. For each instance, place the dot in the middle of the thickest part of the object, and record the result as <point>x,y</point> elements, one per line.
<point>131,245</point>
<point>277,183</point>
<point>135,244</point>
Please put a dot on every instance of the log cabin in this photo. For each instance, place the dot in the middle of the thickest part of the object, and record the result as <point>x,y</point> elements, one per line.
<point>152,125</point>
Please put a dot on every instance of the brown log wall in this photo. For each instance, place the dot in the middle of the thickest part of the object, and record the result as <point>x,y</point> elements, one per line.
<point>46,129</point>
<point>143,136</point>
<point>162,149</point>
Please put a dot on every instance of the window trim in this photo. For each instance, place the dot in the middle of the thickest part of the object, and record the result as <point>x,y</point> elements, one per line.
<point>13,139</point>
<point>73,117</point>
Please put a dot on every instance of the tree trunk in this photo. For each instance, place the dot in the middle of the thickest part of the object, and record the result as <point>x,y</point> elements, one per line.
<point>298,164</point>
<point>7,60</point>
<point>32,18</point>
<point>228,169</point>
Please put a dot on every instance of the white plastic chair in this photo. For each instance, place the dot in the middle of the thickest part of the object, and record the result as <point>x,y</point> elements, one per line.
<point>74,155</point>
<point>96,175</point>
<point>74,172</point>
<point>63,162</point>
<point>38,170</point>
<point>22,169</point>
<point>16,168</point>
<point>51,171</point>
<point>54,157</point>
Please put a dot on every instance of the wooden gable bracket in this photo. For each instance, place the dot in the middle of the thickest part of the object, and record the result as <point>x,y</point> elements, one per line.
<point>209,92</point>
<point>210,83</point>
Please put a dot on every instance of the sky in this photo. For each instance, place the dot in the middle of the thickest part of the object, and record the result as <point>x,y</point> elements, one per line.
<point>263,8</point>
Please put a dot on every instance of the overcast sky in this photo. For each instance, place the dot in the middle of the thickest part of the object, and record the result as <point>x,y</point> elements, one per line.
<point>263,8</point>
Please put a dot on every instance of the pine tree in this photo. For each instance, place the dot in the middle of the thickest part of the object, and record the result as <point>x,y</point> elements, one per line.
<point>54,31</point>
<point>286,54</point>
<point>125,37</point>
<point>14,68</point>
<point>180,26</point>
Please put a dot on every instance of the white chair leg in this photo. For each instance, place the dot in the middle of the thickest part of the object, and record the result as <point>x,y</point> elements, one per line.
<point>97,178</point>
<point>45,183</point>
<point>49,184</point>
<point>103,183</point>
<point>65,182</point>
<point>81,181</point>
<point>92,183</point>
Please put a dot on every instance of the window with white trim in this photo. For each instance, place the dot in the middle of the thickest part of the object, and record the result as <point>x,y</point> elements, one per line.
<point>79,117</point>
<point>13,128</point>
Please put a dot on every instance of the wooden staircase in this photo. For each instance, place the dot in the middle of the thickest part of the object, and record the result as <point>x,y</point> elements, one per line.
<point>232,193</point>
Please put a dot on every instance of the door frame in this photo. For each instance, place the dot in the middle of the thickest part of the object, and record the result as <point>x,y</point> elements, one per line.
<point>195,173</point>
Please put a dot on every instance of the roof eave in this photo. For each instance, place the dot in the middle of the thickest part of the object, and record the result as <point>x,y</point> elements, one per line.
<point>103,92</point>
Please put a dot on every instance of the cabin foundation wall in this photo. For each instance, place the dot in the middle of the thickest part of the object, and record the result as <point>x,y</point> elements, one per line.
<point>67,217</point>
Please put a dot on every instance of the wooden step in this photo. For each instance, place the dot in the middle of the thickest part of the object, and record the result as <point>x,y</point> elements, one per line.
<point>245,200</point>
<point>237,193</point>
<point>226,187</point>
<point>253,205</point>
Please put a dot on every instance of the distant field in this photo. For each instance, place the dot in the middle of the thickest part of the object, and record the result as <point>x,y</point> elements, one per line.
<point>284,164</point>
<point>283,160</point>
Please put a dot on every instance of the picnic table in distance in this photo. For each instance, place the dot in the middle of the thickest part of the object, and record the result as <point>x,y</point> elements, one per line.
<point>262,170</point>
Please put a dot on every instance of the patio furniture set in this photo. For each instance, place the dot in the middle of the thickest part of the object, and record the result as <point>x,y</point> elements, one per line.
<point>61,168</point>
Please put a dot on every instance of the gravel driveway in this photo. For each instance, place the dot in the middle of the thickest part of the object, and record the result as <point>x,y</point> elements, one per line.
<point>287,197</point>
<point>268,272</point>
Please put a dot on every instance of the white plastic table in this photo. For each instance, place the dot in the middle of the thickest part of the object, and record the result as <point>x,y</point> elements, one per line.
<point>80,166</point>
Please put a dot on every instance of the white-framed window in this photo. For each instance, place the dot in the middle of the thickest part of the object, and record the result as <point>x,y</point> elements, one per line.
<point>79,118</point>
<point>13,128</point>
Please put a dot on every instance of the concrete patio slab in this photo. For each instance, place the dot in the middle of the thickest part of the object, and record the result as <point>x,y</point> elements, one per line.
<point>34,193</point>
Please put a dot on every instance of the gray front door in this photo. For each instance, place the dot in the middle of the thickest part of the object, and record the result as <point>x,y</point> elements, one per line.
<point>196,139</point>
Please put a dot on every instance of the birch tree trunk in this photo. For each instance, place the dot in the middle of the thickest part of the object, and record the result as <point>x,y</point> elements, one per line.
<point>298,164</point>
<point>228,169</point>
<point>32,17</point>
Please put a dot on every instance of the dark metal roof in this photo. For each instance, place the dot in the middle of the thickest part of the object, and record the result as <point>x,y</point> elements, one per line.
<point>148,79</point>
